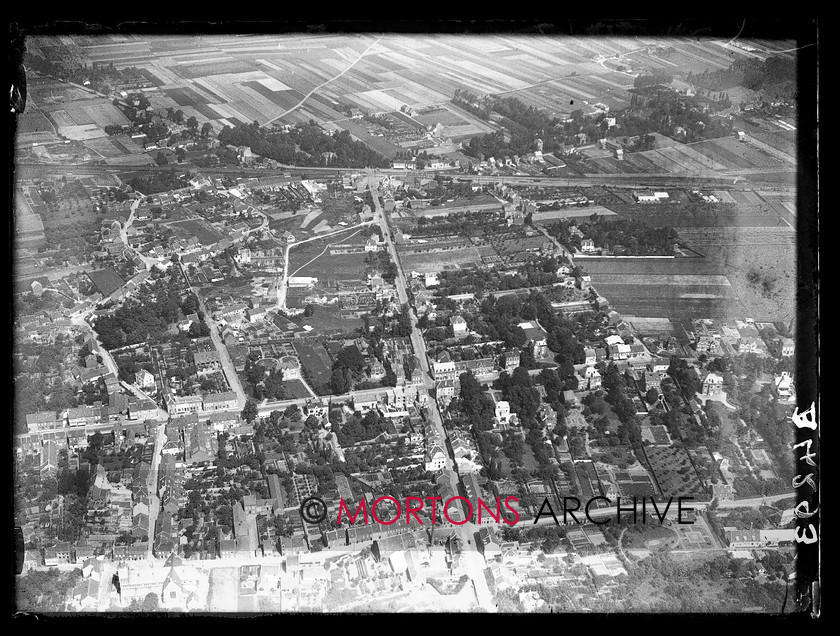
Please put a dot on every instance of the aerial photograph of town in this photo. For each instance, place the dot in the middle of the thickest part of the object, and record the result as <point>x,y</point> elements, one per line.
<point>391,322</point>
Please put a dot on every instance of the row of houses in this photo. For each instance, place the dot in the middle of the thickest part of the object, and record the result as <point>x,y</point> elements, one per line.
<point>181,405</point>
<point>119,409</point>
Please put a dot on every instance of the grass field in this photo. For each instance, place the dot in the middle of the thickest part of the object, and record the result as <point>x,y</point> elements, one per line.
<point>295,389</point>
<point>316,361</point>
<point>644,536</point>
<point>327,320</point>
<point>314,259</point>
<point>258,77</point>
<point>201,230</point>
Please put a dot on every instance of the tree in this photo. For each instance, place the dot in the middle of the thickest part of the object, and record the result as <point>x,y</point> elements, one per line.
<point>339,382</point>
<point>206,129</point>
<point>180,155</point>
<point>250,412</point>
<point>192,123</point>
<point>151,602</point>
<point>651,396</point>
<point>178,116</point>
<point>160,159</point>
<point>309,310</point>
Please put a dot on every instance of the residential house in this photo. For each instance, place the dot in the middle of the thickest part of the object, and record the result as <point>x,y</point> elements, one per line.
<point>712,384</point>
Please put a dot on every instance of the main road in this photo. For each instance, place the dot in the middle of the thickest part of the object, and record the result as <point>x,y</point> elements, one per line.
<point>224,357</point>
<point>472,557</point>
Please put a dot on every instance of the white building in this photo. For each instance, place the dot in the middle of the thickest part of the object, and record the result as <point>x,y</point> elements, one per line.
<point>144,379</point>
<point>435,458</point>
<point>459,326</point>
<point>784,385</point>
<point>302,281</point>
<point>503,411</point>
<point>290,366</point>
<point>593,376</point>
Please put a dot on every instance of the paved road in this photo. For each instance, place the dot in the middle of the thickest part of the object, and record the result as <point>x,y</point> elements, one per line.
<point>562,248</point>
<point>152,483</point>
<point>473,559</point>
<point>227,365</point>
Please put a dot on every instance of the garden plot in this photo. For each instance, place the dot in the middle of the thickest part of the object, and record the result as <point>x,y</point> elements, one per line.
<point>696,159</point>
<point>665,163</point>
<point>720,155</point>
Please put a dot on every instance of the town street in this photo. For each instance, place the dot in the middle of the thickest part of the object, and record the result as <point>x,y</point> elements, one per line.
<point>473,558</point>
<point>152,483</point>
<point>224,357</point>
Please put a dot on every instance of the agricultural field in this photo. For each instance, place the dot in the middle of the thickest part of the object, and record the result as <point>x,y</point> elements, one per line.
<point>761,268</point>
<point>661,287</point>
<point>34,127</point>
<point>737,155</point>
<point>748,211</point>
<point>732,248</point>
<point>291,78</point>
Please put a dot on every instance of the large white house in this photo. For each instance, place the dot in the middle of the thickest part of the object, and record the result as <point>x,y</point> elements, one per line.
<point>503,411</point>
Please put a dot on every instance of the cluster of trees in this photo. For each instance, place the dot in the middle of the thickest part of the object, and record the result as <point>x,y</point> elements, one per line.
<point>525,124</point>
<point>763,413</point>
<point>262,384</point>
<point>499,320</point>
<point>685,377</point>
<point>636,238</point>
<point>359,429</point>
<point>463,224</point>
<point>655,108</point>
<point>629,432</point>
<point>555,381</point>
<point>145,317</point>
<point>161,181</point>
<point>55,62</point>
<point>45,591</point>
<point>477,409</point>
<point>304,145</point>
<point>656,77</point>
<point>381,261</point>
<point>471,103</point>
<point>534,273</point>
<point>445,188</point>
<point>775,77</point>
<point>348,366</point>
